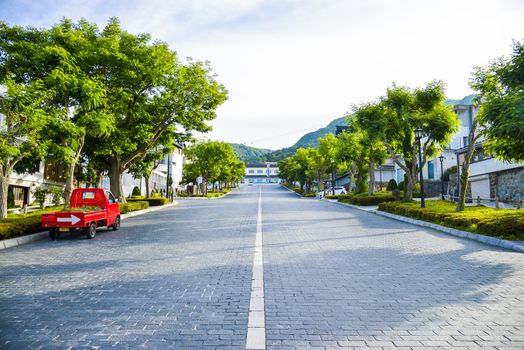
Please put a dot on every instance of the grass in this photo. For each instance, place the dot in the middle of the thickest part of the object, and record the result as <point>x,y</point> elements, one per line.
<point>500,223</point>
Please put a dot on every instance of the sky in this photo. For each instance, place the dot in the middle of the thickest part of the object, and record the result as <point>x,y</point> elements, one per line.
<point>292,66</point>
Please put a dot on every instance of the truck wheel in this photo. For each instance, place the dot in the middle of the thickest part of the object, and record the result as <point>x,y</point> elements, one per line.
<point>91,231</point>
<point>116,224</point>
<point>53,233</point>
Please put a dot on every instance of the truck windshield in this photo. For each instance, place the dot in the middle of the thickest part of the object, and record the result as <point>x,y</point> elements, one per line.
<point>88,195</point>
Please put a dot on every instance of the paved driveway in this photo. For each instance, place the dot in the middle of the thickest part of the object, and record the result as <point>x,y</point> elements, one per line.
<point>332,277</point>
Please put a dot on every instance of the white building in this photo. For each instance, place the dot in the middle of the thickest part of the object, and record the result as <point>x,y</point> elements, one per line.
<point>265,172</point>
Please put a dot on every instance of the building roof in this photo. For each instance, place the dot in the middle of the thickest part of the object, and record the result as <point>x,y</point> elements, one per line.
<point>262,165</point>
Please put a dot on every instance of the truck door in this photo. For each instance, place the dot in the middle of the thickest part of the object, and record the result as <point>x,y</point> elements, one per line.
<point>112,208</point>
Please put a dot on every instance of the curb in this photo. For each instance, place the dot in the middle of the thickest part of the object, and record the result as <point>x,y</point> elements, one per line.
<point>298,194</point>
<point>492,241</point>
<point>203,198</point>
<point>14,242</point>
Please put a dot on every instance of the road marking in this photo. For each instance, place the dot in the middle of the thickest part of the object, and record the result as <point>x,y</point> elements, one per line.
<point>256,325</point>
<point>72,219</point>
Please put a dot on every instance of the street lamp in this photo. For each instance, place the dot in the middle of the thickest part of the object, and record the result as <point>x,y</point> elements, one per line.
<point>333,176</point>
<point>441,158</point>
<point>419,133</point>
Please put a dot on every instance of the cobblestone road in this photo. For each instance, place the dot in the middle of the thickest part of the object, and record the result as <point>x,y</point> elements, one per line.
<point>334,277</point>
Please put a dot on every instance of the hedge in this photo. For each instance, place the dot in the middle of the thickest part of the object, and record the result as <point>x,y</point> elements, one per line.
<point>363,198</point>
<point>133,205</point>
<point>153,201</point>
<point>501,223</point>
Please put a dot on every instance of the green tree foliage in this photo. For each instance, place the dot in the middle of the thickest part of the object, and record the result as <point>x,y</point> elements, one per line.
<point>367,120</point>
<point>215,161</point>
<point>21,134</point>
<point>405,109</point>
<point>351,155</point>
<point>153,98</point>
<point>501,88</point>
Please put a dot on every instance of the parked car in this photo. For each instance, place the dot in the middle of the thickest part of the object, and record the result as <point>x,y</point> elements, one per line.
<point>329,192</point>
<point>90,208</point>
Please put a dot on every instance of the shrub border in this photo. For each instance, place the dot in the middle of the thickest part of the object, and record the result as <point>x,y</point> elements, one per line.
<point>492,241</point>
<point>16,241</point>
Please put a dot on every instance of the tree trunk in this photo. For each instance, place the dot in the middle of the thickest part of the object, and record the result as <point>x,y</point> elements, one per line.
<point>69,184</point>
<point>371,187</point>
<point>408,187</point>
<point>464,175</point>
<point>115,178</point>
<point>146,179</point>
<point>4,188</point>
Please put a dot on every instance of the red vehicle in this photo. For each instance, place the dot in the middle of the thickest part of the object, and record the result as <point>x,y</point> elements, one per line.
<point>96,207</point>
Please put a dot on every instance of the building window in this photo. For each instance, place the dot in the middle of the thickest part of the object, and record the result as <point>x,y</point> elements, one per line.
<point>54,172</point>
<point>251,172</point>
<point>465,140</point>
<point>260,171</point>
<point>431,170</point>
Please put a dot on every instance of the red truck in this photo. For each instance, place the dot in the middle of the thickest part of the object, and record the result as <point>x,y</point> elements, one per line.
<point>95,207</point>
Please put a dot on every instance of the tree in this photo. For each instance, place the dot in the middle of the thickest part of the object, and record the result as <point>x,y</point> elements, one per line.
<point>59,61</point>
<point>21,132</point>
<point>501,114</point>
<point>153,99</point>
<point>327,151</point>
<point>213,160</point>
<point>367,121</point>
<point>403,110</point>
<point>351,154</point>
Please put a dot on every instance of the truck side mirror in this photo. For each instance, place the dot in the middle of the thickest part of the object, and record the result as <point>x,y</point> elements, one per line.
<point>116,200</point>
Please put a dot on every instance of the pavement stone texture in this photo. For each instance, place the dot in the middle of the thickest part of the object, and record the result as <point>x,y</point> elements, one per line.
<point>334,277</point>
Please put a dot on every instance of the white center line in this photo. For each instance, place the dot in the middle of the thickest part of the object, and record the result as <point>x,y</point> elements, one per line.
<point>256,325</point>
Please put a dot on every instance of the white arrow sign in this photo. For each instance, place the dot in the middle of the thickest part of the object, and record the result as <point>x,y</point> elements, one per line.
<point>73,219</point>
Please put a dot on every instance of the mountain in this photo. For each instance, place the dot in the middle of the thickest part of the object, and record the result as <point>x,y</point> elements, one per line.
<point>308,140</point>
<point>468,100</point>
<point>249,154</point>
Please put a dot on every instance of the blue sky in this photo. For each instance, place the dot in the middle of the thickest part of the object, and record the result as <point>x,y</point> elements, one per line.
<point>293,66</point>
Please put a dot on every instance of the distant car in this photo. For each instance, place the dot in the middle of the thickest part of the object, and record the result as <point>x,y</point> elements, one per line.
<point>250,184</point>
<point>340,190</point>
<point>329,192</point>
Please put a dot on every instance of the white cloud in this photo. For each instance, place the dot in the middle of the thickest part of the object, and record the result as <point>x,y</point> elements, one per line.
<point>293,66</point>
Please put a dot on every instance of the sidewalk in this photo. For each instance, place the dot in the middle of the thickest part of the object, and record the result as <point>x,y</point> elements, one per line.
<point>517,246</point>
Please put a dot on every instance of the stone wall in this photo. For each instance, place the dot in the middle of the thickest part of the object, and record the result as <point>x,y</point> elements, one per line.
<point>509,184</point>
<point>433,188</point>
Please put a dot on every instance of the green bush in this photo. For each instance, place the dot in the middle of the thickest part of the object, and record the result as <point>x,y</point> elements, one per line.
<point>57,194</point>
<point>310,195</point>
<point>40,195</point>
<point>401,185</point>
<point>132,206</point>
<point>153,201</point>
<point>136,191</point>
<point>16,225</point>
<point>501,223</point>
<point>330,196</point>
<point>392,185</point>
<point>371,200</point>
<point>448,172</point>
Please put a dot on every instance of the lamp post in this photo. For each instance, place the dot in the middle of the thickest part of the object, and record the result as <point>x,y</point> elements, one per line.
<point>441,158</point>
<point>419,133</point>
<point>332,176</point>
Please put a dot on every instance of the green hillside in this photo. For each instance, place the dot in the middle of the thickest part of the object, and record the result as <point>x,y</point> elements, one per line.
<point>308,140</point>
<point>249,154</point>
